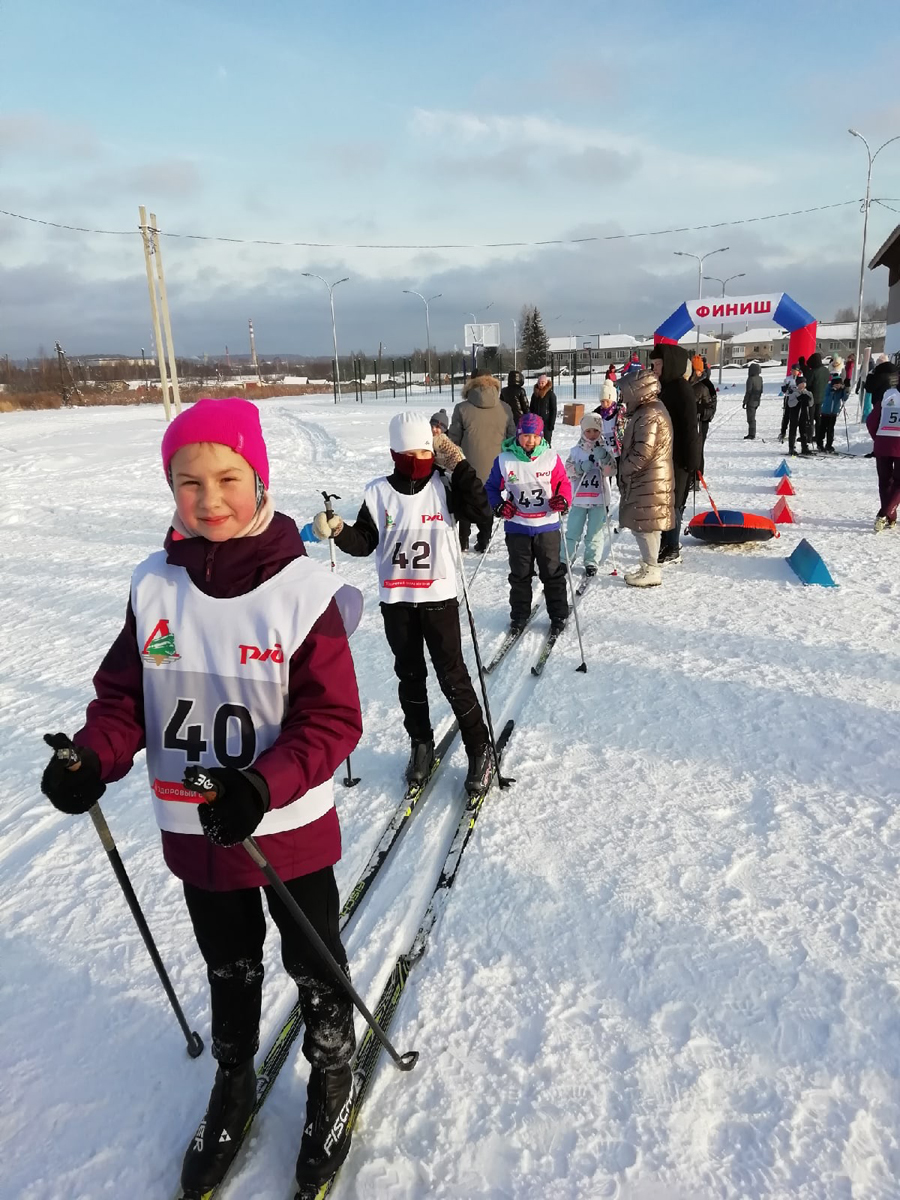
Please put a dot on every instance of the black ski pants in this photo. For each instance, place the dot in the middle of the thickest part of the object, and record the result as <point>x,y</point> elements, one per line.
<point>829,420</point>
<point>410,628</point>
<point>751,420</point>
<point>816,420</point>
<point>465,530</point>
<point>704,434</point>
<point>230,929</point>
<point>798,418</point>
<point>671,538</point>
<point>526,550</point>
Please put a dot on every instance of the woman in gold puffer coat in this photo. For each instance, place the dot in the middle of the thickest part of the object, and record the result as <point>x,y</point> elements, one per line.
<point>646,474</point>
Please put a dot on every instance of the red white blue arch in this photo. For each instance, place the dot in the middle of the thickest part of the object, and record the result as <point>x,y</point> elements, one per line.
<point>777,308</point>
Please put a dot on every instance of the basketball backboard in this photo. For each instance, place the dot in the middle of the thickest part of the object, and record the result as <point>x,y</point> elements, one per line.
<point>483,333</point>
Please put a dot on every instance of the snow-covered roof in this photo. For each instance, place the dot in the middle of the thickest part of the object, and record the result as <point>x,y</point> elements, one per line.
<point>689,339</point>
<point>768,333</point>
<point>846,330</point>
<point>591,341</point>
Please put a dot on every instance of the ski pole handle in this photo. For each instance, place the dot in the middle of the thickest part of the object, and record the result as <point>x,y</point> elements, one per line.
<point>329,508</point>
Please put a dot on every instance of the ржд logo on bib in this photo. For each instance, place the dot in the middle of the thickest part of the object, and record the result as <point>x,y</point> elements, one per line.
<point>159,647</point>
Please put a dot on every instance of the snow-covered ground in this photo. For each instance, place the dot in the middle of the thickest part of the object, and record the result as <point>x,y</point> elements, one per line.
<point>669,967</point>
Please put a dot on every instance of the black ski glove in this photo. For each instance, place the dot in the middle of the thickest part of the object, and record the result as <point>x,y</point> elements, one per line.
<point>241,801</point>
<point>70,791</point>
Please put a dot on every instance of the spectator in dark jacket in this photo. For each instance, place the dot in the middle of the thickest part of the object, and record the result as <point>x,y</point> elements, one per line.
<point>752,396</point>
<point>479,424</point>
<point>543,403</point>
<point>515,396</point>
<point>817,376</point>
<point>670,363</point>
<point>707,400</point>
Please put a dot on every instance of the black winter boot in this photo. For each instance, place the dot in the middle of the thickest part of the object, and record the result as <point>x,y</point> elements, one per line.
<point>421,759</point>
<point>326,1135</point>
<point>481,767</point>
<point>215,1143</point>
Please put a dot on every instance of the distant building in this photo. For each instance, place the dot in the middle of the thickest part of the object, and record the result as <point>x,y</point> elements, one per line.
<point>889,256</point>
<point>839,337</point>
<point>591,350</point>
<point>707,345</point>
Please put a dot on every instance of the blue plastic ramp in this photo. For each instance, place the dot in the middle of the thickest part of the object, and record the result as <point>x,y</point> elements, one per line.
<point>782,469</point>
<point>807,564</point>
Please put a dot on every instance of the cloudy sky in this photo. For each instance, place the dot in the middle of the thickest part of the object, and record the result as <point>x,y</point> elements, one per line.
<point>362,124</point>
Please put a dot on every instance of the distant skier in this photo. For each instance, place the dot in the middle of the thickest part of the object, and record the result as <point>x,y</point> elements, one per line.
<point>612,411</point>
<point>589,466</point>
<point>196,677</point>
<point>538,493</point>
<point>407,519</point>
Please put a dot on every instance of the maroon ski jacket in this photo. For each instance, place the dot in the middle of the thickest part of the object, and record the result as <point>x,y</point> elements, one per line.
<point>321,726</point>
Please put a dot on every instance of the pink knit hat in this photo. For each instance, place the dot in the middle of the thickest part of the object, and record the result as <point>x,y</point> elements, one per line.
<point>232,422</point>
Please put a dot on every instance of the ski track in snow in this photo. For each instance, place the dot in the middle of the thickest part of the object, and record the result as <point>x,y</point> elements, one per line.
<point>667,969</point>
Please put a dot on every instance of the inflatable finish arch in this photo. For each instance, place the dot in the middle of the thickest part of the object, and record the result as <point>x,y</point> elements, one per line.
<point>776,309</point>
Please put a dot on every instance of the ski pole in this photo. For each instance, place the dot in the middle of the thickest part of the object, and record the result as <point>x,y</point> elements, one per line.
<point>503,780</point>
<point>565,549</point>
<point>612,553</point>
<point>349,780</point>
<point>68,754</point>
<point>197,779</point>
<point>494,525</point>
<point>846,429</point>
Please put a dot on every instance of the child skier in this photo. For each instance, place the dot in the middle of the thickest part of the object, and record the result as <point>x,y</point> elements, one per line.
<point>407,518</point>
<point>612,409</point>
<point>234,656</point>
<point>589,465</point>
<point>538,492</point>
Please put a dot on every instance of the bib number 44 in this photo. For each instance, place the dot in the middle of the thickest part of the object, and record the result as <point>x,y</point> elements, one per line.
<point>191,739</point>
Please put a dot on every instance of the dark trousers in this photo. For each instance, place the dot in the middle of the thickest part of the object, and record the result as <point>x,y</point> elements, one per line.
<point>888,486</point>
<point>816,420</point>
<point>751,420</point>
<point>230,929</point>
<point>526,550</point>
<point>465,529</point>
<point>671,539</point>
<point>704,434</point>
<point>410,628</point>
<point>828,420</point>
<point>798,419</point>
<point>785,417</point>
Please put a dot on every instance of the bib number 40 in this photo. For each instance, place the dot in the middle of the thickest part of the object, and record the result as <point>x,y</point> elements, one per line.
<point>191,740</point>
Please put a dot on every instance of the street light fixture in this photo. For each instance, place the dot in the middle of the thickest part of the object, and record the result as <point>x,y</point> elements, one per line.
<point>862,264</point>
<point>410,292</point>
<point>338,395</point>
<point>700,258</point>
<point>716,279</point>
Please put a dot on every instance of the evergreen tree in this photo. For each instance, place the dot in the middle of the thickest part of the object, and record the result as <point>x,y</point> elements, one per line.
<point>534,340</point>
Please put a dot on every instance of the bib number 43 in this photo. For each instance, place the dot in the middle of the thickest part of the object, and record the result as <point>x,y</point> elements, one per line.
<point>191,740</point>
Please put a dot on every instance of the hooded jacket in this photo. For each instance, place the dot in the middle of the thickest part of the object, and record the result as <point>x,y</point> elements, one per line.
<point>754,389</point>
<point>543,403</point>
<point>816,374</point>
<point>322,723</point>
<point>885,377</point>
<point>480,422</point>
<point>515,396</point>
<point>646,474</point>
<point>678,397</point>
<point>559,482</point>
<point>705,394</point>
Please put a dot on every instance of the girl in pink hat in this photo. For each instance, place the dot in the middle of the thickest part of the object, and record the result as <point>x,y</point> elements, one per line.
<point>234,657</point>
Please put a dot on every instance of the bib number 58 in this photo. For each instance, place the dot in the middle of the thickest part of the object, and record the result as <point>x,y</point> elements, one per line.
<point>229,718</point>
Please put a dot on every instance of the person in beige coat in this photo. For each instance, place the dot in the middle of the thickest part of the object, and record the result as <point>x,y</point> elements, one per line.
<point>479,425</point>
<point>646,474</point>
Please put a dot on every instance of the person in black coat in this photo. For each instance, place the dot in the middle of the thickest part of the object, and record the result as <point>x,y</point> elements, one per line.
<point>514,395</point>
<point>817,376</point>
<point>752,397</point>
<point>707,400</point>
<point>543,402</point>
<point>670,364</point>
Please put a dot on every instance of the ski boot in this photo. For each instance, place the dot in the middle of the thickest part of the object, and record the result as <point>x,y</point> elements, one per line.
<point>481,767</point>
<point>590,570</point>
<point>421,760</point>
<point>326,1135</point>
<point>216,1141</point>
<point>557,626</point>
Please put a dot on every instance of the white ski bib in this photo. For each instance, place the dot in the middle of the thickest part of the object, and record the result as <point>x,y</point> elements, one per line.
<point>415,558</point>
<point>609,434</point>
<point>216,678</point>
<point>889,425</point>
<point>528,484</point>
<point>592,489</point>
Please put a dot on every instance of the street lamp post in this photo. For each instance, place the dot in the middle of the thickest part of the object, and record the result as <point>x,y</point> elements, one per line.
<point>338,395</point>
<point>515,344</point>
<point>862,263</point>
<point>716,279</point>
<point>410,292</point>
<point>700,258</point>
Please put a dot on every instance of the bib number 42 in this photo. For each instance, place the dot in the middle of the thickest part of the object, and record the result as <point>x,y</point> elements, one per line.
<point>420,553</point>
<point>191,740</point>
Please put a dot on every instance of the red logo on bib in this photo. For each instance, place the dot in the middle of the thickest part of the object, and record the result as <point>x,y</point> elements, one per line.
<point>254,654</point>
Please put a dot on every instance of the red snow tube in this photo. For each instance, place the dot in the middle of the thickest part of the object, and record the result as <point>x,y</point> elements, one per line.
<point>724,528</point>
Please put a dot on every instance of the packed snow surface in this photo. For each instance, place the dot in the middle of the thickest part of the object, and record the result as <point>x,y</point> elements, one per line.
<point>669,966</point>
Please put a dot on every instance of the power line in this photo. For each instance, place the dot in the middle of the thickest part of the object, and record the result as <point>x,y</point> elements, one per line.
<point>579,241</point>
